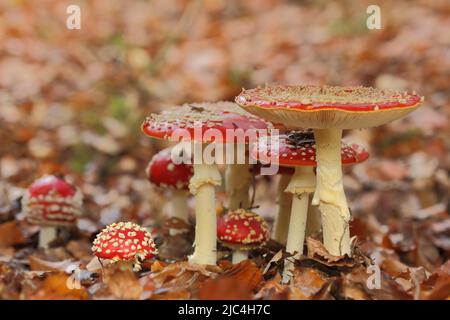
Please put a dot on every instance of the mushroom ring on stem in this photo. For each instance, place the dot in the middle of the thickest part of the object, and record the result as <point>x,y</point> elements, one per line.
<point>51,202</point>
<point>297,149</point>
<point>242,231</point>
<point>126,243</point>
<point>164,174</point>
<point>207,126</point>
<point>329,110</point>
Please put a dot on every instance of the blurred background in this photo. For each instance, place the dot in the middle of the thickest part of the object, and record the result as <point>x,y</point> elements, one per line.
<point>72,101</point>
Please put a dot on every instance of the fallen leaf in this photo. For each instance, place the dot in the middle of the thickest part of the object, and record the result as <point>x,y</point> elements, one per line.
<point>56,286</point>
<point>123,284</point>
<point>37,264</point>
<point>10,234</point>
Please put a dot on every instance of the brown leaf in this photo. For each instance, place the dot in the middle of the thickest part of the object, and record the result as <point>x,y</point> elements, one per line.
<point>80,249</point>
<point>55,287</point>
<point>37,264</point>
<point>10,234</point>
<point>318,252</point>
<point>272,290</point>
<point>308,280</point>
<point>437,286</point>
<point>276,258</point>
<point>176,278</point>
<point>245,272</point>
<point>224,288</point>
<point>123,284</point>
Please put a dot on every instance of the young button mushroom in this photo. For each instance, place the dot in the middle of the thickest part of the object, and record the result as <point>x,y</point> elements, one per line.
<point>242,231</point>
<point>298,150</point>
<point>126,243</point>
<point>203,124</point>
<point>51,202</point>
<point>163,173</point>
<point>329,110</point>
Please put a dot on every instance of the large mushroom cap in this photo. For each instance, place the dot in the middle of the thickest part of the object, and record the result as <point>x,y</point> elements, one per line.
<point>298,148</point>
<point>324,107</point>
<point>52,201</point>
<point>243,230</point>
<point>162,172</point>
<point>124,241</point>
<point>221,116</point>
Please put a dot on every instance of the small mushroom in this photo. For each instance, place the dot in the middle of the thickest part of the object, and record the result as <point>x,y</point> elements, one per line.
<point>329,110</point>
<point>297,150</point>
<point>242,231</point>
<point>51,202</point>
<point>163,173</point>
<point>126,243</point>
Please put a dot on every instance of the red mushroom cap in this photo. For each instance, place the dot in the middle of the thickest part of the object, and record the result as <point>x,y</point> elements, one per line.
<point>201,117</point>
<point>357,99</point>
<point>324,107</point>
<point>298,149</point>
<point>124,241</point>
<point>52,201</point>
<point>162,172</point>
<point>243,230</point>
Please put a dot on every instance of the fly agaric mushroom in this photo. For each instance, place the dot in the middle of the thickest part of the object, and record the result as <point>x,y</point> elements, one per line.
<point>329,110</point>
<point>242,231</point>
<point>204,124</point>
<point>51,202</point>
<point>126,243</point>
<point>163,173</point>
<point>297,149</point>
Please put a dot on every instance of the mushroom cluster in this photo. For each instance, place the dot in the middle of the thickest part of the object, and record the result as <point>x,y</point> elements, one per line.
<point>310,152</point>
<point>297,150</point>
<point>205,124</point>
<point>328,111</point>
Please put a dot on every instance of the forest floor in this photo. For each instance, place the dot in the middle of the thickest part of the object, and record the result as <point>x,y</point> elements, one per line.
<point>71,102</point>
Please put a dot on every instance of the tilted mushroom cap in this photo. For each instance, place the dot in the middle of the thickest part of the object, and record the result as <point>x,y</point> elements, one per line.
<point>298,148</point>
<point>162,172</point>
<point>243,230</point>
<point>325,107</point>
<point>221,116</point>
<point>124,241</point>
<point>51,201</point>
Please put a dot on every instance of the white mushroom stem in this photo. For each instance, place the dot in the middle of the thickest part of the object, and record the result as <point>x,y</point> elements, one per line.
<point>314,222</point>
<point>202,185</point>
<point>329,195</point>
<point>281,223</point>
<point>180,205</point>
<point>238,180</point>
<point>301,185</point>
<point>46,235</point>
<point>238,177</point>
<point>239,255</point>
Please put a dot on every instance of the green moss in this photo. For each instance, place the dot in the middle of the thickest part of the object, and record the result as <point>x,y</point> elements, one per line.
<point>81,155</point>
<point>346,26</point>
